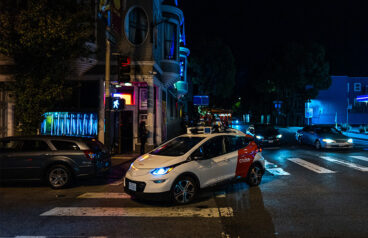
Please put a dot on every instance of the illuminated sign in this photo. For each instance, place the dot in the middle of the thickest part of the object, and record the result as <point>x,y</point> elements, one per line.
<point>126,96</point>
<point>70,124</point>
<point>362,98</point>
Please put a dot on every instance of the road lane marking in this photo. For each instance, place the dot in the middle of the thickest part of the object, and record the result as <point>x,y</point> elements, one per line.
<point>274,169</point>
<point>359,157</point>
<point>117,183</point>
<point>140,212</point>
<point>347,164</point>
<point>105,195</point>
<point>278,171</point>
<point>221,194</point>
<point>310,166</point>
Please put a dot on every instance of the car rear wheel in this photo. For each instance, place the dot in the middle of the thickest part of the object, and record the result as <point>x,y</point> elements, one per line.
<point>317,145</point>
<point>184,190</point>
<point>59,176</point>
<point>254,176</point>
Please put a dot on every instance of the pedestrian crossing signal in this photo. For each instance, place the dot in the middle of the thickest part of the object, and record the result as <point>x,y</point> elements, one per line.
<point>117,104</point>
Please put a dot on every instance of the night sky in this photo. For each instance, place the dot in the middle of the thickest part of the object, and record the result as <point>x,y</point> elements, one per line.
<point>254,28</point>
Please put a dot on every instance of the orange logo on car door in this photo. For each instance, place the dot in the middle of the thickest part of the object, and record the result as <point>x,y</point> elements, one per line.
<point>245,159</point>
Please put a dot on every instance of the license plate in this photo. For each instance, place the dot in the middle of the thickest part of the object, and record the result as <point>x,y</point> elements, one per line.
<point>270,141</point>
<point>132,186</point>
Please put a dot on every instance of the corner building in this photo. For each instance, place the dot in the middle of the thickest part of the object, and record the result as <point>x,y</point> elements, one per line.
<point>154,88</point>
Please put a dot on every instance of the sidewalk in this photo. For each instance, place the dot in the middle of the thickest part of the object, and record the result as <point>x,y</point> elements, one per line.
<point>124,158</point>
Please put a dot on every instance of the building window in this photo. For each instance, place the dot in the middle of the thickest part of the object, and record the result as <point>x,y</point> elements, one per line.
<point>136,26</point>
<point>357,87</point>
<point>171,44</point>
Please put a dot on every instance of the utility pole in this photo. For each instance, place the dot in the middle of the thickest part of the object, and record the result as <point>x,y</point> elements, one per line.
<point>107,94</point>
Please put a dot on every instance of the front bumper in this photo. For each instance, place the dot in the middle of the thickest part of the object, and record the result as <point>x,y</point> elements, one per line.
<point>139,193</point>
<point>93,169</point>
<point>337,145</point>
<point>152,184</point>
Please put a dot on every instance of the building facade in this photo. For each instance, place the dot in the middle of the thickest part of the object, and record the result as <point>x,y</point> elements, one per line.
<point>155,84</point>
<point>339,104</point>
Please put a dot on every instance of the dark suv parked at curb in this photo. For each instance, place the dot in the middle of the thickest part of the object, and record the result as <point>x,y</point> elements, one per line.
<point>56,160</point>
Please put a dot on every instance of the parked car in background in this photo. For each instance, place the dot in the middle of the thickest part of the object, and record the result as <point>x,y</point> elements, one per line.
<point>56,160</point>
<point>323,136</point>
<point>265,134</point>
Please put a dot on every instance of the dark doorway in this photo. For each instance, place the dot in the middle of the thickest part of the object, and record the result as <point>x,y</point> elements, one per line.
<point>126,132</point>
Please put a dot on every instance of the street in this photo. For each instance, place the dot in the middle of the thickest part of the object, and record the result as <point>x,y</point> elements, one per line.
<point>304,193</point>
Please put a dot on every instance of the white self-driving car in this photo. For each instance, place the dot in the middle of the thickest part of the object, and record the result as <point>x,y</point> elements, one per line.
<point>177,169</point>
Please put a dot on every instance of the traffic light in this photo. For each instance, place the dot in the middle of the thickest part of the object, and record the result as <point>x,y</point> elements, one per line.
<point>124,69</point>
<point>117,104</point>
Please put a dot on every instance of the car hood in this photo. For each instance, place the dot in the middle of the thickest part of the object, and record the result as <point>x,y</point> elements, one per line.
<point>149,161</point>
<point>333,136</point>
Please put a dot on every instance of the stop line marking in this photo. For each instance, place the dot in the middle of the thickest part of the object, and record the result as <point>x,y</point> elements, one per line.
<point>344,163</point>
<point>310,166</point>
<point>105,195</point>
<point>140,212</point>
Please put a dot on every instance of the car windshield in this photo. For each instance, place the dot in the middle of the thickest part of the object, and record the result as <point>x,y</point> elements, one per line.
<point>177,146</point>
<point>265,129</point>
<point>330,130</point>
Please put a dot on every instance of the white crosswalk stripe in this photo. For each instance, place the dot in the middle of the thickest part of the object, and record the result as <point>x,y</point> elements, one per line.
<point>105,195</point>
<point>311,166</point>
<point>344,163</point>
<point>140,212</point>
<point>359,157</point>
<point>274,169</point>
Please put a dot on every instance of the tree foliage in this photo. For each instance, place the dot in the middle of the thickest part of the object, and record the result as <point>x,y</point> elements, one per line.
<point>212,70</point>
<point>292,74</point>
<point>42,37</point>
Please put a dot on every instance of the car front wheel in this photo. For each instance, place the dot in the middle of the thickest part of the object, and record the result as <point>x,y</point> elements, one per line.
<point>184,190</point>
<point>300,140</point>
<point>59,176</point>
<point>317,145</point>
<point>254,176</point>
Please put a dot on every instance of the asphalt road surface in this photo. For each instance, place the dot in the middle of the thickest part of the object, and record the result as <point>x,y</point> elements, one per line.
<point>304,193</point>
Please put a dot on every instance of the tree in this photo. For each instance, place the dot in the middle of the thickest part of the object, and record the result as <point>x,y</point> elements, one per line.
<point>293,74</point>
<point>42,37</point>
<point>212,69</point>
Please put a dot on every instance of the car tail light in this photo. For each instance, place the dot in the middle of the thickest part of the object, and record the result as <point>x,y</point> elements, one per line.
<point>89,154</point>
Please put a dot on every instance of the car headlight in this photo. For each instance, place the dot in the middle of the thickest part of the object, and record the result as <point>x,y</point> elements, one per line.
<point>259,137</point>
<point>279,136</point>
<point>161,171</point>
<point>350,140</point>
<point>329,141</point>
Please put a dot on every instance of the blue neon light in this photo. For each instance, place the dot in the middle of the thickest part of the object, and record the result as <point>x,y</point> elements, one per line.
<point>362,98</point>
<point>70,124</point>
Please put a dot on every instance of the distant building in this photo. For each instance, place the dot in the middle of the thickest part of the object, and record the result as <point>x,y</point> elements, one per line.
<point>339,103</point>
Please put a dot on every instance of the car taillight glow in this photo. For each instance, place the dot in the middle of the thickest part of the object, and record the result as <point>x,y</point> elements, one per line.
<point>89,154</point>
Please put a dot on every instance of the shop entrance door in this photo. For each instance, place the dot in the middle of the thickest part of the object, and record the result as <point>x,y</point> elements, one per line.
<point>126,132</point>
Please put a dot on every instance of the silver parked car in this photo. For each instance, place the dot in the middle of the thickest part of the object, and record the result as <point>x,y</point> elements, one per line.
<point>323,136</point>
<point>56,160</point>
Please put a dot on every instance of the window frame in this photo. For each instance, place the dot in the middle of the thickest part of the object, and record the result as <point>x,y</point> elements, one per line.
<point>23,141</point>
<point>127,25</point>
<point>205,157</point>
<point>356,86</point>
<point>176,48</point>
